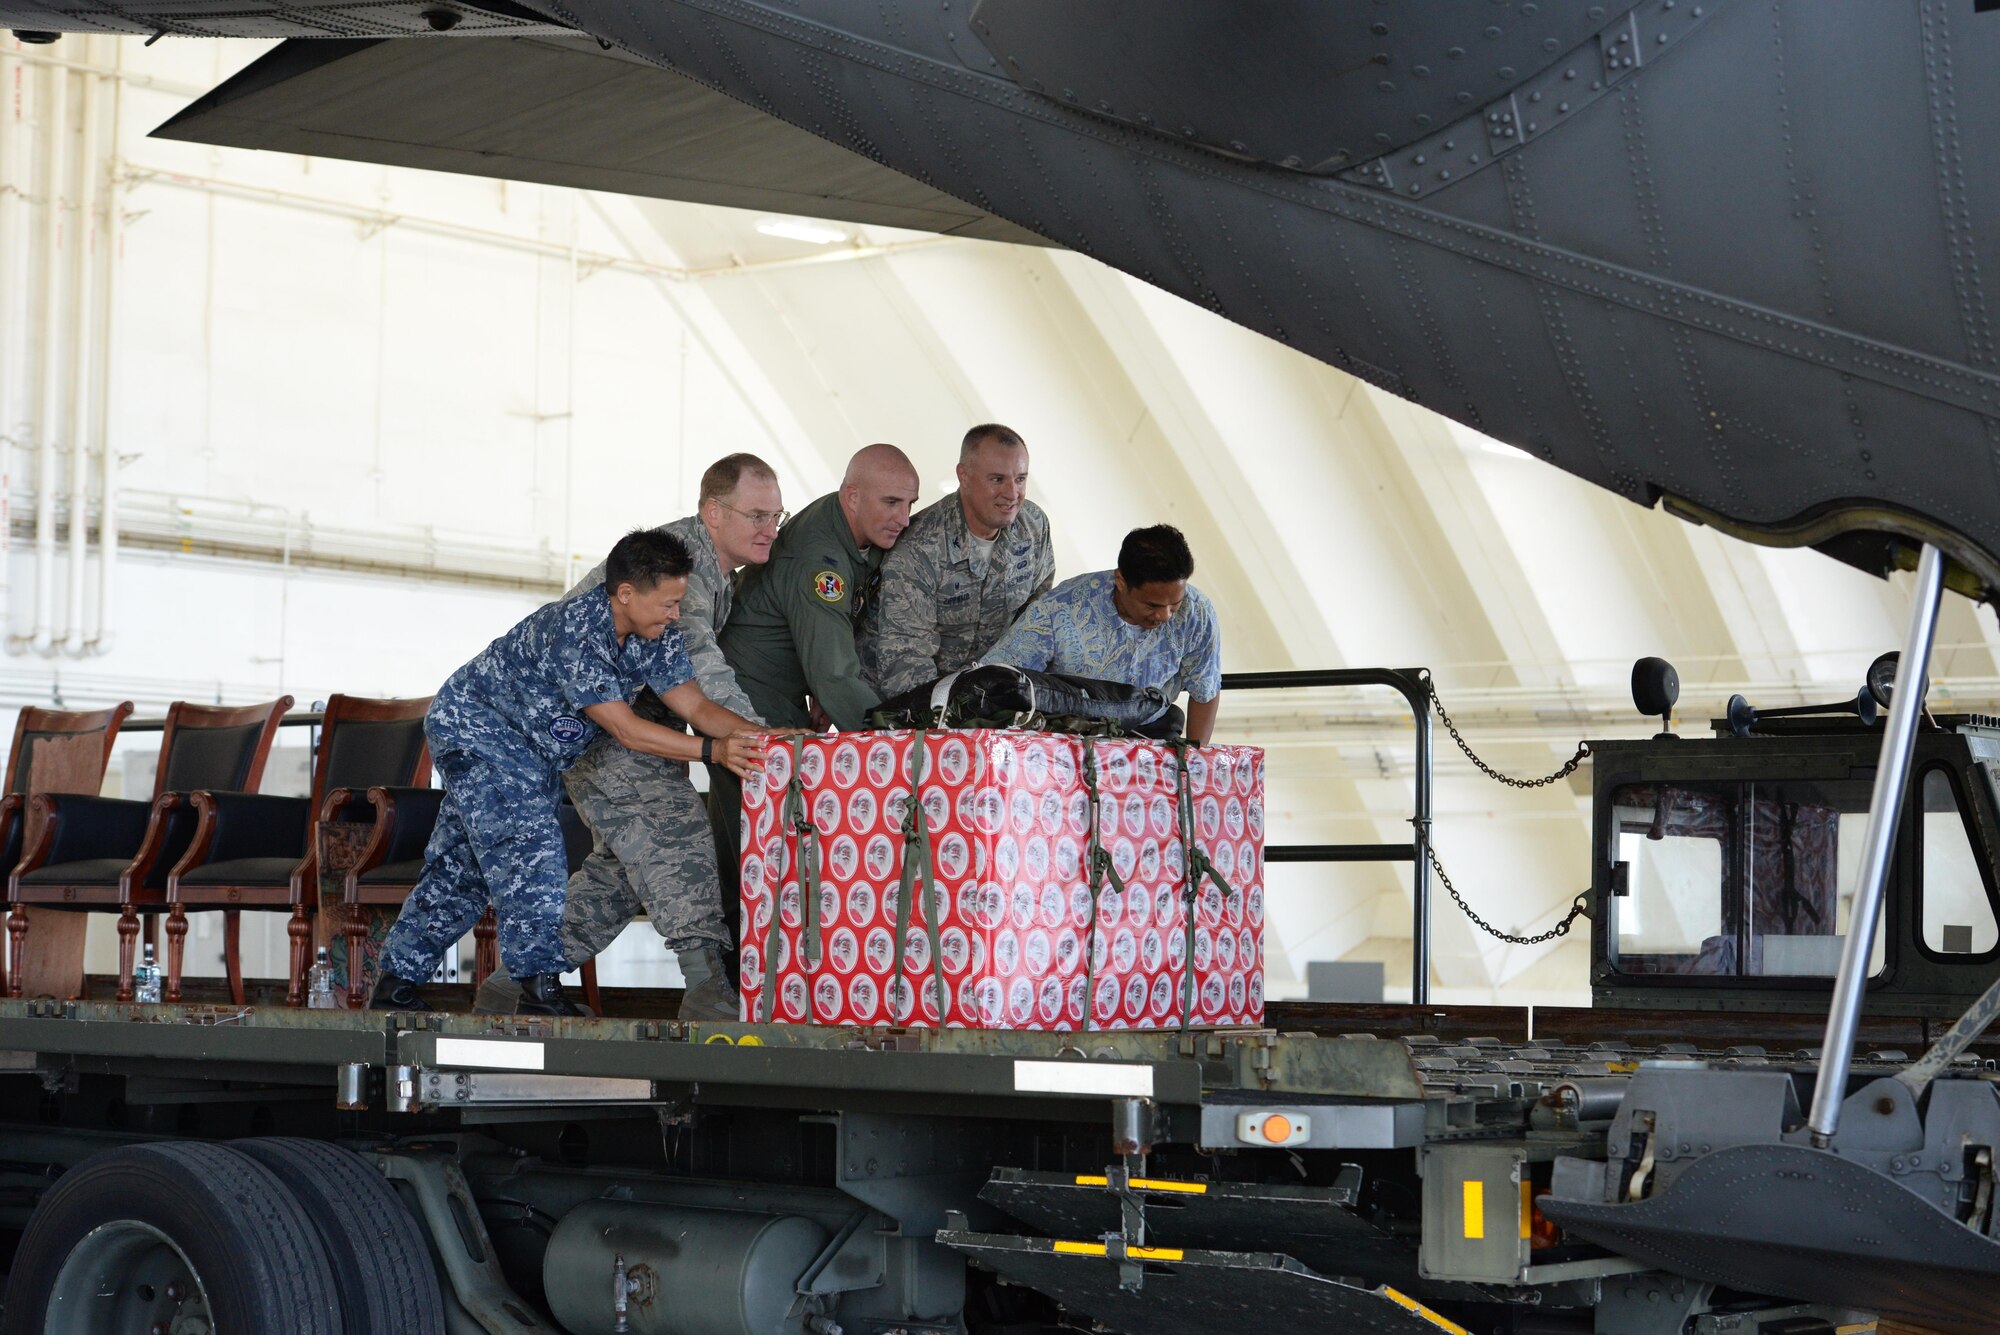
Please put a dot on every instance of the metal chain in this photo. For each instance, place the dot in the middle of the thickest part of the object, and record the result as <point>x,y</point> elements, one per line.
<point>1579,908</point>
<point>1582,754</point>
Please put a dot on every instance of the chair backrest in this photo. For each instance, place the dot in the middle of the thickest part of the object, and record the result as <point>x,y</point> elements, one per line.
<point>218,747</point>
<point>75,746</point>
<point>367,744</point>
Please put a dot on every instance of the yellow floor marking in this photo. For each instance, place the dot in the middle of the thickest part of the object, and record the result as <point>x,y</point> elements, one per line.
<point>1404,1300</point>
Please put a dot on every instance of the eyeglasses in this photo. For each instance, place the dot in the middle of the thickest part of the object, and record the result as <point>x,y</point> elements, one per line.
<point>758,518</point>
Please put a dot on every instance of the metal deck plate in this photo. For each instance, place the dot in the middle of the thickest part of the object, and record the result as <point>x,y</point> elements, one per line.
<point>1797,1222</point>
<point>1314,1225</point>
<point>1190,1294</point>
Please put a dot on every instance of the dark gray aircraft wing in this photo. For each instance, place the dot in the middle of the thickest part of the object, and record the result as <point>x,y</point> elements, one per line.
<point>561,110</point>
<point>1727,254</point>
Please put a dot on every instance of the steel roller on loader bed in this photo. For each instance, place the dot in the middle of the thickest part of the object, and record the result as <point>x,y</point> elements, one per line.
<point>1373,1168</point>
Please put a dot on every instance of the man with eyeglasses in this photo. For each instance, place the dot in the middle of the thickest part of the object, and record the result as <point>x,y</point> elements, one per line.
<point>653,843</point>
<point>967,567</point>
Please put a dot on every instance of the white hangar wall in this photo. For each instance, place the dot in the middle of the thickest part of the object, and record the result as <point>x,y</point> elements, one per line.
<point>351,422</point>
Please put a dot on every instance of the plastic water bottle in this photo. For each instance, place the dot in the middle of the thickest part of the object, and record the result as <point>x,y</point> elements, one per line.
<point>146,978</point>
<point>319,983</point>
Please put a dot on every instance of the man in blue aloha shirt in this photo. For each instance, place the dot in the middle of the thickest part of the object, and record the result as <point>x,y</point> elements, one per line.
<point>504,728</point>
<point>1142,624</point>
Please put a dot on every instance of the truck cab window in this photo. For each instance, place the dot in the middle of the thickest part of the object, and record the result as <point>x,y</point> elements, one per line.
<point>1957,904</point>
<point>1737,880</point>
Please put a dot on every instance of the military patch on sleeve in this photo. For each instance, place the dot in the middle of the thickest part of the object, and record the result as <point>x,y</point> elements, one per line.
<point>830,587</point>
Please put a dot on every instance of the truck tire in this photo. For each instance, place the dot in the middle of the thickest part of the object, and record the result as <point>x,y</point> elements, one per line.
<point>156,1236</point>
<point>388,1283</point>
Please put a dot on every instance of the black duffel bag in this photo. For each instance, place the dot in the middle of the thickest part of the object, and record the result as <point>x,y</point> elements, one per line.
<point>995,695</point>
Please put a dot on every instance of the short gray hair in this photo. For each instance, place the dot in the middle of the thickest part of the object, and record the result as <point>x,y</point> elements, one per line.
<point>985,431</point>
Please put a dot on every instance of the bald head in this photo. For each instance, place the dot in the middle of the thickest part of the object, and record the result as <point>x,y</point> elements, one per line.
<point>876,494</point>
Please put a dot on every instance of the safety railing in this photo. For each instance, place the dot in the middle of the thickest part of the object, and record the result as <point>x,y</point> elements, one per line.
<point>1414,685</point>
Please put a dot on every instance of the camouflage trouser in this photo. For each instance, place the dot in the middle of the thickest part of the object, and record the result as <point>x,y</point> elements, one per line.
<point>650,853</point>
<point>497,839</point>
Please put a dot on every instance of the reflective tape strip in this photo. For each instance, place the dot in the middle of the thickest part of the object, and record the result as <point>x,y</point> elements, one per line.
<point>1083,1077</point>
<point>1148,1184</point>
<point>1865,1328</point>
<point>1527,1209</point>
<point>1405,1301</point>
<point>1136,1253</point>
<point>493,1054</point>
<point>1475,1208</point>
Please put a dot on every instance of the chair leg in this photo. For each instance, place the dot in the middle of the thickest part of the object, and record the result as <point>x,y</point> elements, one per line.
<point>486,949</point>
<point>17,934</point>
<point>591,997</point>
<point>232,952</point>
<point>356,931</point>
<point>177,930</point>
<point>300,930</point>
<point>128,944</point>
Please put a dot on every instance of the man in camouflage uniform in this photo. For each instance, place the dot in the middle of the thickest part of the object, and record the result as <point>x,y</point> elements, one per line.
<point>502,730</point>
<point>963,572</point>
<point>1141,623</point>
<point>652,850</point>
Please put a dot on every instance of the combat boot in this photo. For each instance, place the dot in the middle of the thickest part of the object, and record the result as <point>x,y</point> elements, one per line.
<point>393,993</point>
<point>498,995</point>
<point>542,994</point>
<point>709,995</point>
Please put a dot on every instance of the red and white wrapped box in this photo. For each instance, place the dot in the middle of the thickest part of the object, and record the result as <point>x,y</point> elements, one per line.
<point>1008,816</point>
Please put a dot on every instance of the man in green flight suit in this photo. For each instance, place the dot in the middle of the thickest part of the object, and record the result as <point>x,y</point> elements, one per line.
<point>790,637</point>
<point>791,633</point>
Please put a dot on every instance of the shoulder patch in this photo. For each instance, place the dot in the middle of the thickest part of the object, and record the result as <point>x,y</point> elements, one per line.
<point>830,587</point>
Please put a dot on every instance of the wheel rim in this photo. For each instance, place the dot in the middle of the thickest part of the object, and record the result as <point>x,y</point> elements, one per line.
<point>127,1276</point>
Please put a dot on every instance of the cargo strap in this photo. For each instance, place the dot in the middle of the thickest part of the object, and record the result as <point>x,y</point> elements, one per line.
<point>1196,865</point>
<point>917,867</point>
<point>1101,867</point>
<point>796,818</point>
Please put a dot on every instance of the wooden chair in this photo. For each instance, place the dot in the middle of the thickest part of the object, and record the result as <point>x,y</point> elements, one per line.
<point>96,854</point>
<point>390,866</point>
<point>54,751</point>
<point>251,851</point>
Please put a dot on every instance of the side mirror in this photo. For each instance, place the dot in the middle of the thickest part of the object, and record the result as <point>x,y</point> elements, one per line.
<point>1655,689</point>
<point>1882,680</point>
